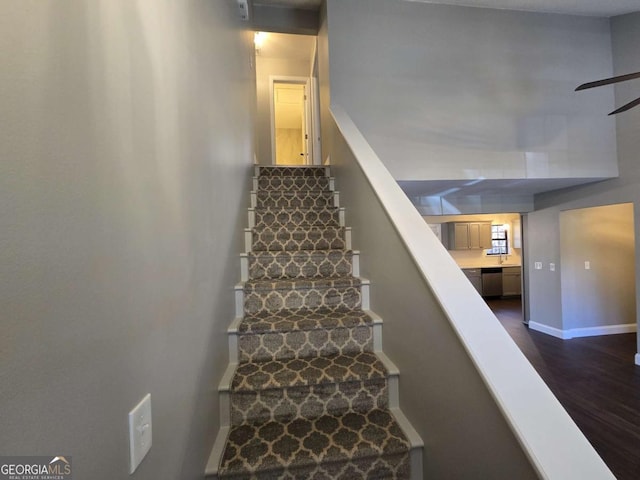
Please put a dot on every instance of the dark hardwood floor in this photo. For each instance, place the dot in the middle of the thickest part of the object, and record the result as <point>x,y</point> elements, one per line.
<point>596,381</point>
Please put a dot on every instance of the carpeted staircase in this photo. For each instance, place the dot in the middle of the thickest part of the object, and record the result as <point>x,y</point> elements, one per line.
<point>308,389</point>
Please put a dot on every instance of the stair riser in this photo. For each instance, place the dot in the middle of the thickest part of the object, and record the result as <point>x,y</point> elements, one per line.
<point>275,199</point>
<point>330,264</point>
<point>304,344</point>
<point>267,240</point>
<point>388,467</point>
<point>312,299</point>
<point>269,171</point>
<point>325,217</point>
<point>294,184</point>
<point>291,218</point>
<point>308,401</point>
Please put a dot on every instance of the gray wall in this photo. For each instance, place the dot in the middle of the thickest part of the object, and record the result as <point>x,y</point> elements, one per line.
<point>441,391</point>
<point>126,146</point>
<point>446,92</point>
<point>544,224</point>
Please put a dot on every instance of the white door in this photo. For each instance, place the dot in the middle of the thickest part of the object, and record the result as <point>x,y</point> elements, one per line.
<point>290,127</point>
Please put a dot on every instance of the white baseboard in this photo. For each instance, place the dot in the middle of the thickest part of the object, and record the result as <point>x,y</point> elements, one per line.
<point>554,332</point>
<point>585,331</point>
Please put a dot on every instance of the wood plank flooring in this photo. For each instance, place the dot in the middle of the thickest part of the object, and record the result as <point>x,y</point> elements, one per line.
<point>596,381</point>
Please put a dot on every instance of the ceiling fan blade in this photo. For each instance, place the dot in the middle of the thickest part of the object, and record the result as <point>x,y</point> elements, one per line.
<point>608,81</point>
<point>626,107</point>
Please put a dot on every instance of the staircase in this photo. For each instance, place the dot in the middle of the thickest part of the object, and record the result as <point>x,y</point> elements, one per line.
<point>308,393</point>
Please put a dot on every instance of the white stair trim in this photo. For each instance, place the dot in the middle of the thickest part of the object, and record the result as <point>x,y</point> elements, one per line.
<point>248,239</point>
<point>211,470</point>
<point>244,267</point>
<point>415,442</point>
<point>365,295</point>
<point>393,380</point>
<point>355,263</point>
<point>232,337</point>
<point>347,238</point>
<point>336,198</point>
<point>239,296</point>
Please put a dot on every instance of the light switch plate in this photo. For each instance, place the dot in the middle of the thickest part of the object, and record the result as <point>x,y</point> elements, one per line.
<point>587,265</point>
<point>552,267</point>
<point>243,9</point>
<point>538,265</point>
<point>139,432</point>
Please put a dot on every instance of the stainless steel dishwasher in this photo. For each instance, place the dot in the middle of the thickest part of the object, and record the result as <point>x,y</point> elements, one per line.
<point>492,282</point>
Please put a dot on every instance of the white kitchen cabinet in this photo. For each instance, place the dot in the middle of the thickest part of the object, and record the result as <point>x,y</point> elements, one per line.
<point>469,235</point>
<point>511,281</point>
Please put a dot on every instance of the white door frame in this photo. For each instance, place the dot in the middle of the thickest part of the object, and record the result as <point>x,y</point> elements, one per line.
<point>315,107</point>
<point>307,115</point>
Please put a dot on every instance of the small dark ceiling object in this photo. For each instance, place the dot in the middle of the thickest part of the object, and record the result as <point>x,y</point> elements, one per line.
<point>609,81</point>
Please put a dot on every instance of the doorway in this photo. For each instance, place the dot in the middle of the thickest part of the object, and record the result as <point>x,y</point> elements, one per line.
<point>290,120</point>
<point>597,252</point>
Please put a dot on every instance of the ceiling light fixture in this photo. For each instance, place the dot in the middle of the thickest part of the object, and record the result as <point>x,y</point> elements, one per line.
<point>258,40</point>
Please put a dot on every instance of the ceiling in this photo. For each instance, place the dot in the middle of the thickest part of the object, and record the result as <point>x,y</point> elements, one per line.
<point>285,45</point>
<point>306,4</point>
<point>594,8</point>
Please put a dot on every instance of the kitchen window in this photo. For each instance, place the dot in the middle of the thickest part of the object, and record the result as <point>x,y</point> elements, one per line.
<point>499,240</point>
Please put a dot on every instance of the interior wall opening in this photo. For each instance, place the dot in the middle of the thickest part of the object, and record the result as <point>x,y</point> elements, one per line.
<point>597,255</point>
<point>287,126</point>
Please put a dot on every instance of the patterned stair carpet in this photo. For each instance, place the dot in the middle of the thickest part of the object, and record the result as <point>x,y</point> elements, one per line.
<point>309,398</point>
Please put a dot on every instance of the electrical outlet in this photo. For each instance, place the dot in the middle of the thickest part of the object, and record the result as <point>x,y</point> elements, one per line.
<point>139,432</point>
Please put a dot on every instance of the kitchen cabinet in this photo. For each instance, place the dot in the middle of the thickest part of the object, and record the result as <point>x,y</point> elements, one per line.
<point>475,277</point>
<point>469,235</point>
<point>511,281</point>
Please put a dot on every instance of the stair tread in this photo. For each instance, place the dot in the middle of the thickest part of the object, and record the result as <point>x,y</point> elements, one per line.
<point>290,193</point>
<point>299,253</point>
<point>296,209</point>
<point>298,372</point>
<point>293,199</point>
<point>287,228</point>
<point>268,285</point>
<point>293,320</point>
<point>298,237</point>
<point>291,216</point>
<point>328,439</point>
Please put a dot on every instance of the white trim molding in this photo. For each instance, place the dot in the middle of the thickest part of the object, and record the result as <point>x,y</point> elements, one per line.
<point>637,359</point>
<point>584,331</point>
<point>554,332</point>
